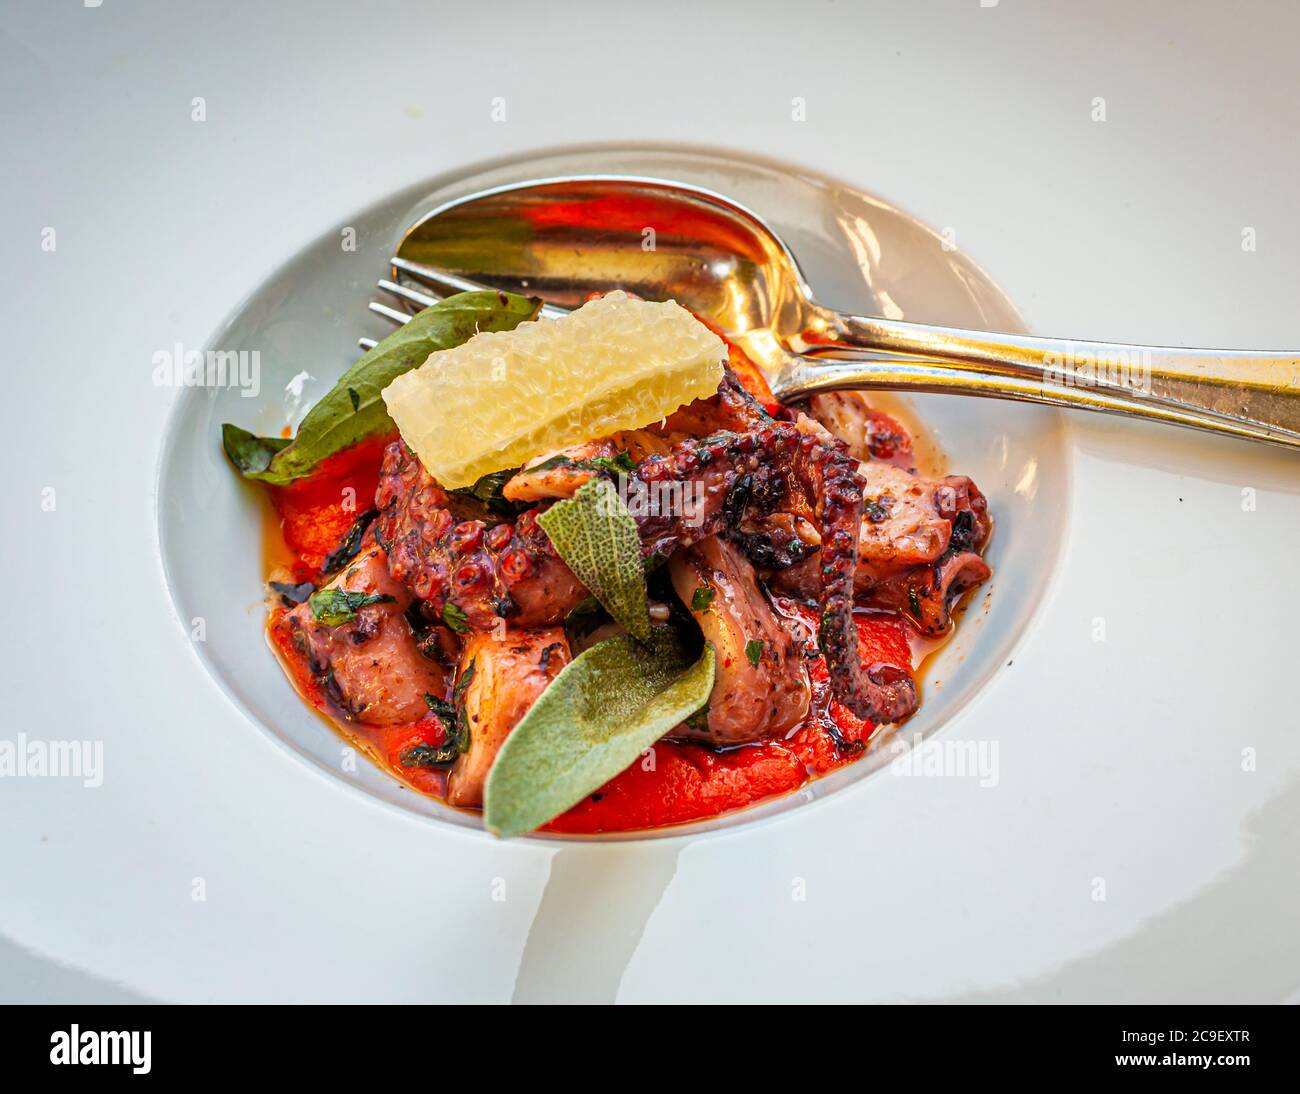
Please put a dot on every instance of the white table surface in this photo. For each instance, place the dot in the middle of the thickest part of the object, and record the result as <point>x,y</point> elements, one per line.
<point>1120,760</point>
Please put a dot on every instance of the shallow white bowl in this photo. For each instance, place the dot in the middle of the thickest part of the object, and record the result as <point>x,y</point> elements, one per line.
<point>858,253</point>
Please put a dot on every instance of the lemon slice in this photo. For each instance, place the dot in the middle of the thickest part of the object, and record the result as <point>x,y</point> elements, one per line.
<point>504,397</point>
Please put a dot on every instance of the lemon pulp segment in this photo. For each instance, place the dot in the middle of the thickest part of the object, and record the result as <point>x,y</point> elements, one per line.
<point>505,397</point>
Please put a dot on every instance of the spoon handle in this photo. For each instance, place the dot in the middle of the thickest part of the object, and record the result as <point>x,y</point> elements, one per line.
<point>1242,393</point>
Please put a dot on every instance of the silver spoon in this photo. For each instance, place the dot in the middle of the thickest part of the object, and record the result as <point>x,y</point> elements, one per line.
<point>564,238</point>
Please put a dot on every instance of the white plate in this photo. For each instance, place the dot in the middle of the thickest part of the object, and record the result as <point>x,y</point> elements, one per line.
<point>858,252</point>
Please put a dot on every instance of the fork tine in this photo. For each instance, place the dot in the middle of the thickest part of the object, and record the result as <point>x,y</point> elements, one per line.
<point>398,317</point>
<point>439,280</point>
<point>445,284</point>
<point>402,292</point>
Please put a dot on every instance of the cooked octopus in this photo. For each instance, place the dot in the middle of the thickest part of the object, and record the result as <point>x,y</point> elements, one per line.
<point>557,474</point>
<point>489,571</point>
<point>789,494</point>
<point>502,674</point>
<point>869,434</point>
<point>370,665</point>
<point>751,468</point>
<point>760,686</point>
<point>918,546</point>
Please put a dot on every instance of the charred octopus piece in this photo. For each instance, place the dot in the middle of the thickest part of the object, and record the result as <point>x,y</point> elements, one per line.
<point>760,687</point>
<point>367,661</point>
<point>472,572</point>
<point>718,482</point>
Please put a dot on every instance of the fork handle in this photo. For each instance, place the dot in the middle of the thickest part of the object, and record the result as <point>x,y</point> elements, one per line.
<point>1251,394</point>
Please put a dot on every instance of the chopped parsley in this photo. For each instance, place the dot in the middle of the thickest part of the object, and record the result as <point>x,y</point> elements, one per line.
<point>702,598</point>
<point>455,727</point>
<point>611,464</point>
<point>874,511</point>
<point>489,490</point>
<point>334,607</point>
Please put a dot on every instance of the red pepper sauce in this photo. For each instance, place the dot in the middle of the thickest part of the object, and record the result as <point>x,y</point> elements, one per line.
<point>675,782</point>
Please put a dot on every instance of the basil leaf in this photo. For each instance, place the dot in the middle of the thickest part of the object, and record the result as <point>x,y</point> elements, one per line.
<point>354,409</point>
<point>613,465</point>
<point>462,684</point>
<point>602,711</point>
<point>701,598</point>
<point>584,618</point>
<point>597,537</point>
<point>251,454</point>
<point>334,607</point>
<point>754,651</point>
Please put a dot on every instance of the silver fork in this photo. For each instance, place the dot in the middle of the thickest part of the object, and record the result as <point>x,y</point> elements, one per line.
<point>440,285</point>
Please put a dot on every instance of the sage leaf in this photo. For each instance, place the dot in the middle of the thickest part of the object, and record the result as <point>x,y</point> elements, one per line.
<point>597,537</point>
<point>602,711</point>
<point>353,409</point>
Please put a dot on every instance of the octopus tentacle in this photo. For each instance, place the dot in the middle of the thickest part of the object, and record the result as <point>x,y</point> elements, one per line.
<point>791,468</point>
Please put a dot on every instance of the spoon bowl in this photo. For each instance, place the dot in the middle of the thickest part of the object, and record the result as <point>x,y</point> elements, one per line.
<point>564,239</point>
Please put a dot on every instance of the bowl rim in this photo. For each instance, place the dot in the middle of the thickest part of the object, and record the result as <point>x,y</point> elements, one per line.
<point>731,823</point>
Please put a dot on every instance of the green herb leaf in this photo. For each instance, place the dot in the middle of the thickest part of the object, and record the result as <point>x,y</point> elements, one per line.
<point>334,607</point>
<point>596,535</point>
<point>487,489</point>
<point>699,721</point>
<point>250,453</point>
<point>454,616</point>
<point>455,741</point>
<point>350,546</point>
<point>462,684</point>
<point>353,409</point>
<point>291,594</point>
<point>614,465</point>
<point>583,618</point>
<point>701,598</point>
<point>425,755</point>
<point>597,716</point>
<point>754,651</point>
<point>621,463</point>
<point>445,711</point>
